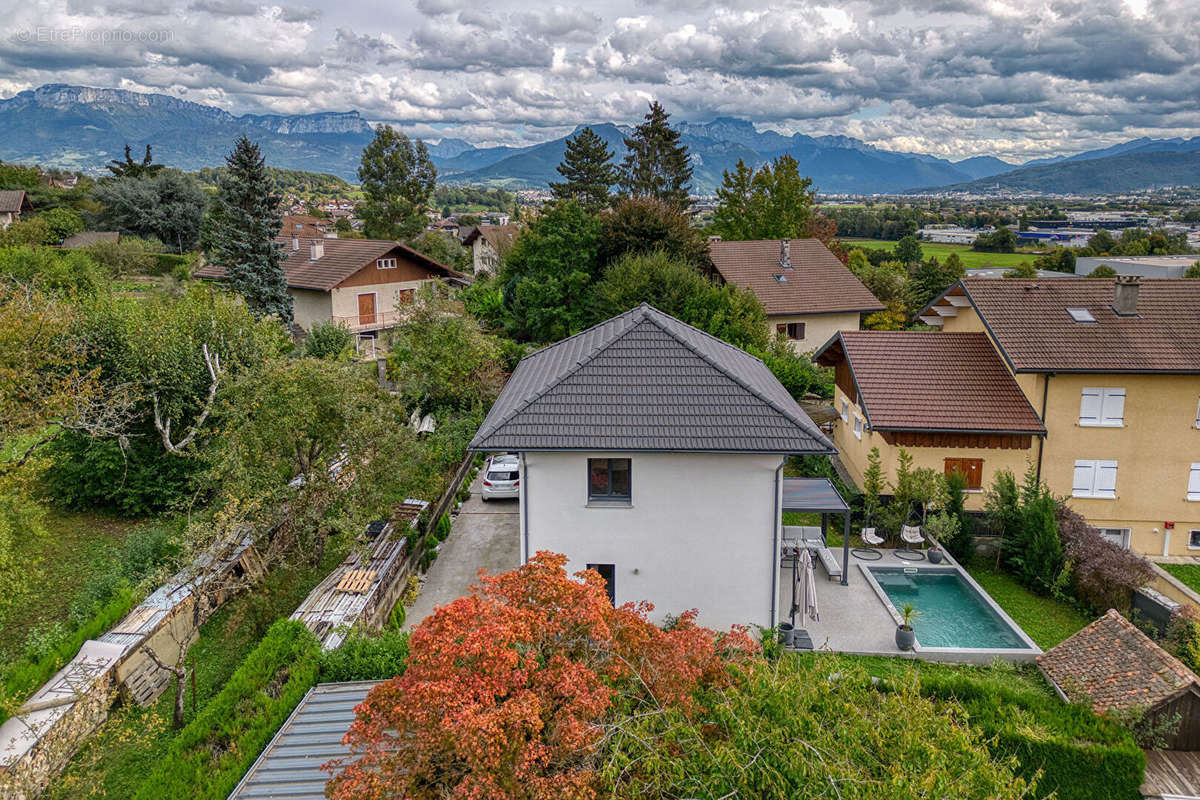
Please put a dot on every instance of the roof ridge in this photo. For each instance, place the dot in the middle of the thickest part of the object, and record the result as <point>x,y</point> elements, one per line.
<point>536,394</point>
<point>803,423</point>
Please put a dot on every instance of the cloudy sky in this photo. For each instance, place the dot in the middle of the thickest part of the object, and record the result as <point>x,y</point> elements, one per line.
<point>1014,78</point>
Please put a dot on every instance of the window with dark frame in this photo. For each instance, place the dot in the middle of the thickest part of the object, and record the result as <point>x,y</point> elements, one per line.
<point>971,469</point>
<point>1194,540</point>
<point>792,330</point>
<point>609,573</point>
<point>608,479</point>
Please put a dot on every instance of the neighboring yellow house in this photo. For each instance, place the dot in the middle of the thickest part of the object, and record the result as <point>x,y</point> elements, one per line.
<point>947,399</point>
<point>1112,368</point>
<point>808,294</point>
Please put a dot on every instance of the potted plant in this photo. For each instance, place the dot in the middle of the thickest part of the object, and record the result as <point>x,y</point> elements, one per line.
<point>935,554</point>
<point>906,637</point>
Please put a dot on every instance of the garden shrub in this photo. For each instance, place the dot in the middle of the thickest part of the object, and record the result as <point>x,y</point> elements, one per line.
<point>443,528</point>
<point>210,755</point>
<point>328,340</point>
<point>367,658</point>
<point>19,679</point>
<point>1104,574</point>
<point>1081,756</point>
<point>1041,558</point>
<point>811,728</point>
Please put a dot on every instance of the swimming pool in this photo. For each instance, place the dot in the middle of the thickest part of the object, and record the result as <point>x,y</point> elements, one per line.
<point>952,612</point>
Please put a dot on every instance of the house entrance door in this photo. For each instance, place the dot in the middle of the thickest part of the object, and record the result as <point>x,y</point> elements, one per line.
<point>366,309</point>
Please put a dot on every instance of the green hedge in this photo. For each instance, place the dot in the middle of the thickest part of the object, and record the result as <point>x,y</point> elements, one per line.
<point>21,678</point>
<point>1082,756</point>
<point>211,754</point>
<point>165,263</point>
<point>367,658</point>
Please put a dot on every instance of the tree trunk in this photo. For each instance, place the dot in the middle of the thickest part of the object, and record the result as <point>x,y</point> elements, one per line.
<point>180,690</point>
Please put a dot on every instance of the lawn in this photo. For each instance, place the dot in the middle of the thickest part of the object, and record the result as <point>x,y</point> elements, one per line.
<point>970,258</point>
<point>77,547</point>
<point>1188,573</point>
<point>1046,620</point>
<point>114,762</point>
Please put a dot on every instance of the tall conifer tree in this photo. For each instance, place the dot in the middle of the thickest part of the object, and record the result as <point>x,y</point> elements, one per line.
<point>657,165</point>
<point>246,221</point>
<point>588,169</point>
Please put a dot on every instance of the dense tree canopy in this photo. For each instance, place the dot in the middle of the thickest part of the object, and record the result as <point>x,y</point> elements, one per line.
<point>588,171</point>
<point>774,202</point>
<point>167,205</point>
<point>547,275</point>
<point>398,180</point>
<point>647,225</point>
<point>657,164</point>
<point>246,221</point>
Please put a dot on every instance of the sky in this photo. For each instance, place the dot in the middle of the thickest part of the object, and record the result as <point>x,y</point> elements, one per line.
<point>1018,79</point>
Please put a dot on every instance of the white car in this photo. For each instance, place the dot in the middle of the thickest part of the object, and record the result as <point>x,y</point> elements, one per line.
<point>502,478</point>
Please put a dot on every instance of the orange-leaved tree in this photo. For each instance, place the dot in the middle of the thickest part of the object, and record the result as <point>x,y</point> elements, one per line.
<point>510,690</point>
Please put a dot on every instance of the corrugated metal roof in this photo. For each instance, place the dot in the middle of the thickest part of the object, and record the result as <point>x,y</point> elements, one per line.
<point>289,768</point>
<point>812,494</point>
<point>645,381</point>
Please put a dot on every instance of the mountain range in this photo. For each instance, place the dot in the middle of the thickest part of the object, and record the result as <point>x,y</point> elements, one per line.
<point>79,127</point>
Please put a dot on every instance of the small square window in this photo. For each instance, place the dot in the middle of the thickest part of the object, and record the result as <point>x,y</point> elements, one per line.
<point>1194,540</point>
<point>792,330</point>
<point>1118,536</point>
<point>386,263</point>
<point>608,479</point>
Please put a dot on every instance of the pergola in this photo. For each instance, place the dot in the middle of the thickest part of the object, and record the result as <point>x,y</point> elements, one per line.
<point>818,495</point>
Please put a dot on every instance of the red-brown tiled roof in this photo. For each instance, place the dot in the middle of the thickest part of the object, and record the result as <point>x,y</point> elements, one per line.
<point>305,225</point>
<point>817,283</point>
<point>1112,664</point>
<point>1030,323</point>
<point>931,381</point>
<point>342,258</point>
<point>13,201</point>
<point>497,236</point>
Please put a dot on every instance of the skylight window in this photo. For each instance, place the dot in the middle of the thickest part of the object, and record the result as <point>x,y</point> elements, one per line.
<point>1081,315</point>
<point>780,278</point>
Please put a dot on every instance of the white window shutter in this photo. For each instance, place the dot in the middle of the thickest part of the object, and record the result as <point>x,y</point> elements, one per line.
<point>1106,479</point>
<point>1085,478</point>
<point>1113,407</point>
<point>1194,483</point>
<point>1090,406</point>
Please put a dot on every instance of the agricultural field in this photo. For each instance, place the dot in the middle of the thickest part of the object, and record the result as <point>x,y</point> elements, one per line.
<point>969,257</point>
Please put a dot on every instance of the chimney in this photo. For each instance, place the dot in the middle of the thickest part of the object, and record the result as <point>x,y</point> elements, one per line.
<point>295,242</point>
<point>785,253</point>
<point>318,249</point>
<point>1125,295</point>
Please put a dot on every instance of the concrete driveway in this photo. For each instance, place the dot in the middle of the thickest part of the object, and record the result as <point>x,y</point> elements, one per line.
<point>484,536</point>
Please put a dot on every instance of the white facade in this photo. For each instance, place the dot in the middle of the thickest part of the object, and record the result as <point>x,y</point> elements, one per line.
<point>699,531</point>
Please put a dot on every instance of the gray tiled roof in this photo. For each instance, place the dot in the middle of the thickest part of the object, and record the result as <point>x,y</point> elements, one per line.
<point>290,765</point>
<point>643,380</point>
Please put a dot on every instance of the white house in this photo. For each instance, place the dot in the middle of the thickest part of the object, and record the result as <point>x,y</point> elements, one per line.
<point>654,453</point>
<point>489,244</point>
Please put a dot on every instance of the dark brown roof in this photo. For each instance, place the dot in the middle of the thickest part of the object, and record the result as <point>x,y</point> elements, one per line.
<point>1035,333</point>
<point>931,381</point>
<point>817,283</point>
<point>496,235</point>
<point>14,200</point>
<point>1112,664</point>
<point>304,224</point>
<point>342,258</point>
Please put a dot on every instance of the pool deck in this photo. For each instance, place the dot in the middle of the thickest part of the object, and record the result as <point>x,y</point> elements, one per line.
<point>855,620</point>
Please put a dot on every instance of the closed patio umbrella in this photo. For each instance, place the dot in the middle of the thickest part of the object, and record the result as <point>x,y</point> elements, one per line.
<point>808,593</point>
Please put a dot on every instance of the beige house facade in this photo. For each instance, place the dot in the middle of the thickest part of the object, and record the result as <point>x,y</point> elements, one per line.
<point>1112,367</point>
<point>808,294</point>
<point>359,284</point>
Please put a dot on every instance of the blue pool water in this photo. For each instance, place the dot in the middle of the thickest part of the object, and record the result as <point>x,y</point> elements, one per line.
<point>952,614</point>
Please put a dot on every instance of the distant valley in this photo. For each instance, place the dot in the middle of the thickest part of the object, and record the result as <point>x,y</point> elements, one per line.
<point>81,128</point>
